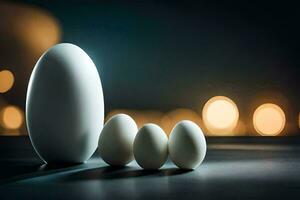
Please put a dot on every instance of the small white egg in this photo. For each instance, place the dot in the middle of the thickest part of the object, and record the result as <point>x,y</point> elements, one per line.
<point>187,145</point>
<point>116,140</point>
<point>150,147</point>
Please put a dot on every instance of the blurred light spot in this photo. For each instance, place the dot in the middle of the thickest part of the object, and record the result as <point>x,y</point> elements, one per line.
<point>6,80</point>
<point>240,129</point>
<point>12,117</point>
<point>299,120</point>
<point>114,112</point>
<point>165,121</point>
<point>26,31</point>
<point>170,119</point>
<point>151,116</point>
<point>269,119</point>
<point>140,117</point>
<point>220,115</point>
<point>28,25</point>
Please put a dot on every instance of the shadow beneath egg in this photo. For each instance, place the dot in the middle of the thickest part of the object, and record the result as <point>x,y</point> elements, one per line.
<point>64,172</point>
<point>36,170</point>
<point>110,173</point>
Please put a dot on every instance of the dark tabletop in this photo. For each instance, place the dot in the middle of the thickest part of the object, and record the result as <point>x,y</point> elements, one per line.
<point>234,168</point>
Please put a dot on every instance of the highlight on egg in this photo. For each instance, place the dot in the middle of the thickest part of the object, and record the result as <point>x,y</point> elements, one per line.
<point>187,145</point>
<point>150,147</point>
<point>116,140</point>
<point>64,105</point>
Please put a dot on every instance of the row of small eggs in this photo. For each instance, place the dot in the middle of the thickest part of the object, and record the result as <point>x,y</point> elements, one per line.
<point>120,142</point>
<point>65,113</point>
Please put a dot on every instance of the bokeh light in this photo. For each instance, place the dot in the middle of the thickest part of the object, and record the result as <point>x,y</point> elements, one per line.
<point>269,119</point>
<point>220,115</point>
<point>140,117</point>
<point>29,26</point>
<point>12,117</point>
<point>26,32</point>
<point>166,121</point>
<point>171,118</point>
<point>240,129</point>
<point>6,80</point>
<point>299,120</point>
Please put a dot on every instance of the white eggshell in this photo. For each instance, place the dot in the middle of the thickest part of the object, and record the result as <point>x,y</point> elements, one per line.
<point>64,105</point>
<point>116,140</point>
<point>187,145</point>
<point>150,147</point>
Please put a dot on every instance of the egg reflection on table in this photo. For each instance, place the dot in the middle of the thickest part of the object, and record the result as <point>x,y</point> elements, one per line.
<point>187,145</point>
<point>116,140</point>
<point>150,147</point>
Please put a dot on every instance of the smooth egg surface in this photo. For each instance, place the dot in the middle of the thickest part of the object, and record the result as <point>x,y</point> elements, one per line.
<point>150,147</point>
<point>116,140</point>
<point>187,145</point>
<point>64,105</point>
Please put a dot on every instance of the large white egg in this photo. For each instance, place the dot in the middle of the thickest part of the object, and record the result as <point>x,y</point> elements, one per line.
<point>64,105</point>
<point>116,140</point>
<point>150,147</point>
<point>187,145</point>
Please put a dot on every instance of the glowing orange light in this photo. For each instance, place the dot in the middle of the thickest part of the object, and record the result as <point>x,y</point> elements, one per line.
<point>169,120</point>
<point>220,115</point>
<point>140,117</point>
<point>6,80</point>
<point>12,117</point>
<point>299,120</point>
<point>269,119</point>
<point>240,129</point>
<point>137,116</point>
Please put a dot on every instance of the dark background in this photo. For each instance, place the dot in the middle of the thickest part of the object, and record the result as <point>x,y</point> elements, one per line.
<point>165,54</point>
<point>183,53</point>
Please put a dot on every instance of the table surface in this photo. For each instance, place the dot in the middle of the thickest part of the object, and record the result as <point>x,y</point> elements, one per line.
<point>234,168</point>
